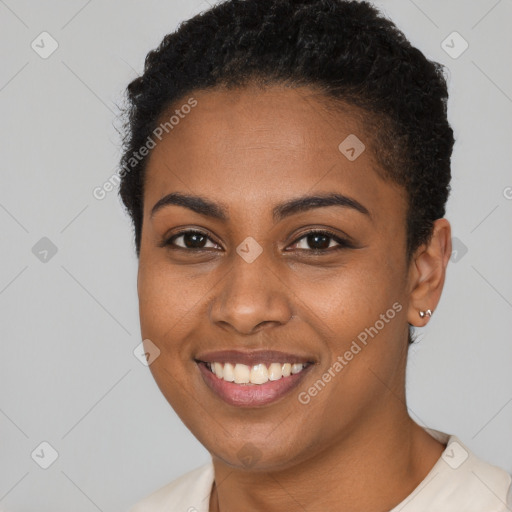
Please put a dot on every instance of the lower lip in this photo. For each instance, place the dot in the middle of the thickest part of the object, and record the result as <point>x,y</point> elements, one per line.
<point>251,395</point>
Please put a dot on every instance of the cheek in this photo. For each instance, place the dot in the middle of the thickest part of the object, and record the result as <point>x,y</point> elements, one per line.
<point>166,310</point>
<point>352,296</point>
<point>166,298</point>
<point>157,304</point>
<point>361,308</point>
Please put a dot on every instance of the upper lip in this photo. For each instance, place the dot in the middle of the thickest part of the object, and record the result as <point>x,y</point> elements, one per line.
<point>250,358</point>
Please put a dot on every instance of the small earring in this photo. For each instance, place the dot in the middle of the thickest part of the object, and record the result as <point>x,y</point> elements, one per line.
<point>427,313</point>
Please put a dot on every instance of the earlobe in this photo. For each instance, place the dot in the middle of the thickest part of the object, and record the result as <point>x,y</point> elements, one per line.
<point>428,272</point>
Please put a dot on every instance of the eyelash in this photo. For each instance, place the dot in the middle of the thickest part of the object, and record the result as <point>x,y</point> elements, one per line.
<point>343,243</point>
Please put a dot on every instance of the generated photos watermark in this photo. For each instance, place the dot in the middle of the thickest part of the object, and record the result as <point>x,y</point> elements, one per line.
<point>355,348</point>
<point>109,185</point>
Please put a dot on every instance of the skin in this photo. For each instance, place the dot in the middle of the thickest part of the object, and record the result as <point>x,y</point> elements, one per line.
<point>353,447</point>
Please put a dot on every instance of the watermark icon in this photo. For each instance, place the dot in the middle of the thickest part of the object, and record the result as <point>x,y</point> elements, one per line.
<point>249,455</point>
<point>101,192</point>
<point>44,455</point>
<point>454,455</point>
<point>44,250</point>
<point>454,45</point>
<point>507,192</point>
<point>44,45</point>
<point>304,397</point>
<point>459,250</point>
<point>249,249</point>
<point>146,352</point>
<point>352,147</point>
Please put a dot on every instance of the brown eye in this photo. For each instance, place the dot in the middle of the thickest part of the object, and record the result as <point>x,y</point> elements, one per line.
<point>189,240</point>
<point>313,241</point>
<point>321,241</point>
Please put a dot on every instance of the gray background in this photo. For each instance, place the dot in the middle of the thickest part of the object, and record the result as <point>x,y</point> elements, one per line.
<point>68,375</point>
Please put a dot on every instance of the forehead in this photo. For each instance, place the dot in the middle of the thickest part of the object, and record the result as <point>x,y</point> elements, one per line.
<point>259,147</point>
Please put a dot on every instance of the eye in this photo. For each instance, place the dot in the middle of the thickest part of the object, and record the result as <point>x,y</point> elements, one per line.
<point>190,239</point>
<point>320,241</point>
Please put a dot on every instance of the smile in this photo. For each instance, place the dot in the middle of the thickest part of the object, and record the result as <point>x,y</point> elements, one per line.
<point>257,374</point>
<point>257,385</point>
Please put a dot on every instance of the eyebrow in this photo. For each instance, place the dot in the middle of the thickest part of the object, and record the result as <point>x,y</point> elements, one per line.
<point>218,211</point>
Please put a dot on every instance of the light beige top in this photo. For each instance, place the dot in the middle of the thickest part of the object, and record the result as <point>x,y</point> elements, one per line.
<point>458,482</point>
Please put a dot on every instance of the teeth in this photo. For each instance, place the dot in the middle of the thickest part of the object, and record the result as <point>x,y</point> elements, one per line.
<point>258,374</point>
<point>275,371</point>
<point>218,370</point>
<point>242,374</point>
<point>297,367</point>
<point>228,372</point>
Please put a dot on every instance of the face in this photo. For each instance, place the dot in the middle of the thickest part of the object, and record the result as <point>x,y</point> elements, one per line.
<point>324,281</point>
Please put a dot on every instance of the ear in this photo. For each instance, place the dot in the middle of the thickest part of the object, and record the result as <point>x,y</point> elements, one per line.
<point>427,273</point>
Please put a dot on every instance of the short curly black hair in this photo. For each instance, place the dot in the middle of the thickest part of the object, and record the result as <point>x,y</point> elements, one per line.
<point>344,49</point>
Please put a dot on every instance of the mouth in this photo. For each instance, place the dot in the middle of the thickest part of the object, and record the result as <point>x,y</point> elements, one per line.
<point>250,379</point>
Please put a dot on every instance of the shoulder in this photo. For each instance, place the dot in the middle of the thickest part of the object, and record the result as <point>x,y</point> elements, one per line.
<point>482,486</point>
<point>188,493</point>
<point>460,481</point>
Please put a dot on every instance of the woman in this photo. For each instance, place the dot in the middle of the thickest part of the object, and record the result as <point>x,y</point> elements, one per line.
<point>287,167</point>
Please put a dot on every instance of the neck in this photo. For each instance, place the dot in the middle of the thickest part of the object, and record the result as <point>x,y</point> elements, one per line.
<point>373,468</point>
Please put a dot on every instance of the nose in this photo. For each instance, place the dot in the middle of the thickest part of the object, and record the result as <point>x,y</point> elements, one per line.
<point>251,297</point>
